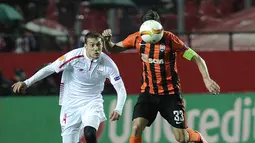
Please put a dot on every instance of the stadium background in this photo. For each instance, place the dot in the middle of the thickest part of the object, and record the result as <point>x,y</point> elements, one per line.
<point>221,31</point>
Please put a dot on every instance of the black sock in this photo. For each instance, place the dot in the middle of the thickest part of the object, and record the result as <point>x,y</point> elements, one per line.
<point>90,134</point>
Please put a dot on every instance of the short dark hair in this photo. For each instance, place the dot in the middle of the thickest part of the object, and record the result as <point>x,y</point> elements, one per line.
<point>93,35</point>
<point>150,15</point>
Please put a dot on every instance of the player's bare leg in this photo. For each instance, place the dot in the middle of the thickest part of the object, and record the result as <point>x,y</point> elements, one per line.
<point>138,126</point>
<point>181,135</point>
<point>188,135</point>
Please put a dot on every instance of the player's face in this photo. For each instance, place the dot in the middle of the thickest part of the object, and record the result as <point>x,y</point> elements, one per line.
<point>94,47</point>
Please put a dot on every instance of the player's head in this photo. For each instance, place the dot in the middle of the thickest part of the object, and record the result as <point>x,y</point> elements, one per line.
<point>94,43</point>
<point>150,15</point>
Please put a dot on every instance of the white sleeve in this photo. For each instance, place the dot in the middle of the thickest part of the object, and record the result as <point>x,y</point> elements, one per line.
<point>62,63</point>
<point>113,72</point>
<point>41,74</point>
<point>121,96</point>
<point>58,65</point>
<point>118,84</point>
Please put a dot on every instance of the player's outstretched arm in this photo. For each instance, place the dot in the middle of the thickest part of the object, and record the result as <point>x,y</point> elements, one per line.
<point>109,45</point>
<point>211,85</point>
<point>117,82</point>
<point>41,74</point>
<point>189,54</point>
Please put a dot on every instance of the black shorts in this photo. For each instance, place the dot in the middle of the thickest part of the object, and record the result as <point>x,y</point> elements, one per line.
<point>171,108</point>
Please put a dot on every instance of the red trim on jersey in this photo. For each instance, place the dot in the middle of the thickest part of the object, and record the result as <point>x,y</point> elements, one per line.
<point>70,60</point>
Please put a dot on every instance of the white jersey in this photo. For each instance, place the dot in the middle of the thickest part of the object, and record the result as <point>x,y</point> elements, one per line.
<point>83,79</point>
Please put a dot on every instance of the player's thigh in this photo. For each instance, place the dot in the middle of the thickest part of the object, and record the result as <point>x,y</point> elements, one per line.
<point>92,115</point>
<point>146,108</point>
<point>70,121</point>
<point>173,110</point>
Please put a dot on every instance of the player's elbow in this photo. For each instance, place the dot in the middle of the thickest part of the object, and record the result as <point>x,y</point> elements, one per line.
<point>197,59</point>
<point>201,60</point>
<point>123,93</point>
<point>117,49</point>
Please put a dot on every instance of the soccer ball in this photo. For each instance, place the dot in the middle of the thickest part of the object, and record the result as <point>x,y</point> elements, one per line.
<point>151,31</point>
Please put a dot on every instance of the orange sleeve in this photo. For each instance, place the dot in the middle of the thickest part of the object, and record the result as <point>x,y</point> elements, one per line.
<point>129,42</point>
<point>177,44</point>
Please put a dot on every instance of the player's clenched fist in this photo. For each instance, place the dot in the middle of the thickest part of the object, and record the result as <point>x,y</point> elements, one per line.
<point>107,34</point>
<point>19,87</point>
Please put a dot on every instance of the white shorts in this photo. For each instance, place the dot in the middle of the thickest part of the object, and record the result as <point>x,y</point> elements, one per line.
<point>72,120</point>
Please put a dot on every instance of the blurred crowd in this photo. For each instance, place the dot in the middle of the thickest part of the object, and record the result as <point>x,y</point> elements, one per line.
<point>46,86</point>
<point>77,15</point>
<point>74,18</point>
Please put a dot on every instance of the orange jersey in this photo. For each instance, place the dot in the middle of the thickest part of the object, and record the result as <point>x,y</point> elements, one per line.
<point>159,74</point>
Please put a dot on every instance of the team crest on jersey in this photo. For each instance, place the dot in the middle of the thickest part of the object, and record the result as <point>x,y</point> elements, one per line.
<point>162,47</point>
<point>100,70</point>
<point>61,58</point>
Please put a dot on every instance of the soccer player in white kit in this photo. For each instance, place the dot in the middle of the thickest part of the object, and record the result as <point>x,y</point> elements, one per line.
<point>84,73</point>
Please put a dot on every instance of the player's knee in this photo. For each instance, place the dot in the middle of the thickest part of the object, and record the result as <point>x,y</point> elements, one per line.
<point>138,126</point>
<point>137,130</point>
<point>90,134</point>
<point>181,137</point>
<point>180,140</point>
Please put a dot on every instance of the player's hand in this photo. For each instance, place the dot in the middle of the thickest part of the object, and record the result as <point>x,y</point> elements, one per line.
<point>212,86</point>
<point>19,87</point>
<point>107,35</point>
<point>115,116</point>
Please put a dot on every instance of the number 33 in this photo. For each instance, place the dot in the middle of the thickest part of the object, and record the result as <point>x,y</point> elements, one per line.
<point>178,115</point>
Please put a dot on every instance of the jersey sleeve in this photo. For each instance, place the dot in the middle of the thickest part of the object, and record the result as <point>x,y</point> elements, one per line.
<point>129,42</point>
<point>62,63</point>
<point>177,44</point>
<point>39,75</point>
<point>113,73</point>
